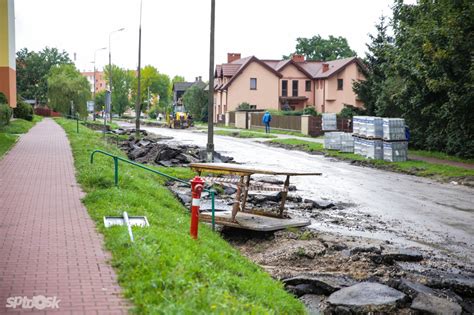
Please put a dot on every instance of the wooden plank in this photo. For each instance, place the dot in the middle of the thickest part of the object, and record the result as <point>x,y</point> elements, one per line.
<point>235,169</point>
<point>253,222</point>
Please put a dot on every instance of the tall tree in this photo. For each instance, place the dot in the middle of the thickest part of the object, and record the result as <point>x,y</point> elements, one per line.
<point>121,87</point>
<point>32,70</point>
<point>66,84</point>
<point>435,41</point>
<point>158,83</point>
<point>321,49</point>
<point>195,99</point>
<point>381,82</point>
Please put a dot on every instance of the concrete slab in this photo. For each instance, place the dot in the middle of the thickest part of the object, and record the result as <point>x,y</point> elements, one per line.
<point>255,222</point>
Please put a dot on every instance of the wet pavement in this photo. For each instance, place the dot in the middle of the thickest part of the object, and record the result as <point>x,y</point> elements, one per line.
<point>373,203</point>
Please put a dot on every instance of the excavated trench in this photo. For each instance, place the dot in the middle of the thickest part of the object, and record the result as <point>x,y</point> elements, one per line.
<point>324,266</point>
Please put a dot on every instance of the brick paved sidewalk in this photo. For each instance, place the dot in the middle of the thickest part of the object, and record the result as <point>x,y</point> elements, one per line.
<point>48,243</point>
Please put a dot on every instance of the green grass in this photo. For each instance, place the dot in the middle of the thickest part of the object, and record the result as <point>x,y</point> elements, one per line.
<point>243,134</point>
<point>9,133</point>
<point>100,122</point>
<point>165,271</point>
<point>419,168</point>
<point>6,142</point>
<point>440,155</point>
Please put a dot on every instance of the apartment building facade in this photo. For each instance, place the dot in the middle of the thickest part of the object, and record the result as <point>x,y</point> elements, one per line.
<point>279,84</point>
<point>100,83</point>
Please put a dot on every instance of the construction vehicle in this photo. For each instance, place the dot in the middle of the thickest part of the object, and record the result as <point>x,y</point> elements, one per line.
<point>179,118</point>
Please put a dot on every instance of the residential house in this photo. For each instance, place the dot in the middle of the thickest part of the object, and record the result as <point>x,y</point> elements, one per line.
<point>277,84</point>
<point>179,88</point>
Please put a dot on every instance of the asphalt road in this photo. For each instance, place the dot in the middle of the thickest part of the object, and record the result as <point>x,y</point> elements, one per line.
<point>401,208</point>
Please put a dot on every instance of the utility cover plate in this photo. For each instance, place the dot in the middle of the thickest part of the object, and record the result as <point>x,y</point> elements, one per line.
<point>134,221</point>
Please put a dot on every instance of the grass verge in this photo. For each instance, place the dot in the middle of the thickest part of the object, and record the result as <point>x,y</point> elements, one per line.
<point>165,271</point>
<point>9,134</point>
<point>243,134</point>
<point>419,168</point>
<point>440,155</point>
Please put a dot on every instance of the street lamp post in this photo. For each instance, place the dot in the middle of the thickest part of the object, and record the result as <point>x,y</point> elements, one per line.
<point>138,102</point>
<point>95,69</point>
<point>110,70</point>
<point>210,119</point>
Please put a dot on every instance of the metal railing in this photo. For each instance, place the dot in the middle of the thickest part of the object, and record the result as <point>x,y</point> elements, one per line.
<point>116,177</point>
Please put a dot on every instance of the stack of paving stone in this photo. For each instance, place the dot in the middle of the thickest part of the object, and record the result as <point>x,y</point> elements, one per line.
<point>329,122</point>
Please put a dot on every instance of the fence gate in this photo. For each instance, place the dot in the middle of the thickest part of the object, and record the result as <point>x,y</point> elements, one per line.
<point>315,126</point>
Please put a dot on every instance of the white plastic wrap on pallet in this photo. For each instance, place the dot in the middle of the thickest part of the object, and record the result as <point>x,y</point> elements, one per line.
<point>395,151</point>
<point>374,149</point>
<point>347,143</point>
<point>332,140</point>
<point>394,129</point>
<point>329,121</point>
<point>374,127</point>
<point>356,124</point>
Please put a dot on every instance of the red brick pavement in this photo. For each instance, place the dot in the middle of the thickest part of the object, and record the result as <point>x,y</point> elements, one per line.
<point>48,243</point>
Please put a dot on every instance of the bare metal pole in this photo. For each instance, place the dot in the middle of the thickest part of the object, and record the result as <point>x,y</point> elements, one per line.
<point>110,70</point>
<point>210,104</point>
<point>138,103</point>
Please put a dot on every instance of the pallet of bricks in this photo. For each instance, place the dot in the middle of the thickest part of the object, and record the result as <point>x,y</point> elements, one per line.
<point>380,138</point>
<point>336,140</point>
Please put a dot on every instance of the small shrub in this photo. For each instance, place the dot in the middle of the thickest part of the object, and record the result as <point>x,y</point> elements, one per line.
<point>243,106</point>
<point>153,112</point>
<point>310,111</point>
<point>3,98</point>
<point>350,111</point>
<point>5,114</point>
<point>23,111</point>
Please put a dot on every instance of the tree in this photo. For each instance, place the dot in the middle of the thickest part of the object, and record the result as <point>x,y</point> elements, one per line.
<point>195,100</point>
<point>435,41</point>
<point>158,83</point>
<point>32,69</point>
<point>320,49</point>
<point>121,86</point>
<point>66,84</point>
<point>381,80</point>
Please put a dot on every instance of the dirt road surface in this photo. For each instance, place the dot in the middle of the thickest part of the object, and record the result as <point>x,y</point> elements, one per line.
<point>404,209</point>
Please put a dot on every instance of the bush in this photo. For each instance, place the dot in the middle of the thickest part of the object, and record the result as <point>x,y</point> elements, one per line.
<point>23,111</point>
<point>310,111</point>
<point>153,112</point>
<point>350,111</point>
<point>3,99</point>
<point>5,114</point>
<point>243,106</point>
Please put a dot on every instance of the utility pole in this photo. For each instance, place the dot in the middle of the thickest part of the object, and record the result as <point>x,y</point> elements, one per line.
<point>138,103</point>
<point>95,69</point>
<point>110,70</point>
<point>210,107</point>
<point>148,100</point>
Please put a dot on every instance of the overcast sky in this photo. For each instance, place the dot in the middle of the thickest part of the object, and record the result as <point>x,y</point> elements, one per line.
<point>175,34</point>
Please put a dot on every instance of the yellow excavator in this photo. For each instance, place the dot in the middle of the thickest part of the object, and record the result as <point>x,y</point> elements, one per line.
<point>179,118</point>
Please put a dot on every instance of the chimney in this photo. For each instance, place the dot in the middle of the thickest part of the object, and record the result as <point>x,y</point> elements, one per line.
<point>199,78</point>
<point>232,56</point>
<point>325,67</point>
<point>297,58</point>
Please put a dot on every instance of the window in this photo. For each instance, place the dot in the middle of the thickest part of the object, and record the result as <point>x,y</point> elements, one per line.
<point>308,86</point>
<point>253,106</point>
<point>284,88</point>
<point>340,84</point>
<point>294,84</point>
<point>253,83</point>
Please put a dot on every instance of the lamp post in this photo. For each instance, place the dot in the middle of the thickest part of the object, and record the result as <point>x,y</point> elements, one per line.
<point>110,70</point>
<point>95,69</point>
<point>210,118</point>
<point>138,104</point>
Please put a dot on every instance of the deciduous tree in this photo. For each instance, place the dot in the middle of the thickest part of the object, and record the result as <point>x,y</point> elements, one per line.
<point>66,84</point>
<point>321,49</point>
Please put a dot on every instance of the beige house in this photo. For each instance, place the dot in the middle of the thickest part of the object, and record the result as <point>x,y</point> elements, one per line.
<point>275,84</point>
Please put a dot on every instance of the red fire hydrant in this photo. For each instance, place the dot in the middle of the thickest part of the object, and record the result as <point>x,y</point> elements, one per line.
<point>197,185</point>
